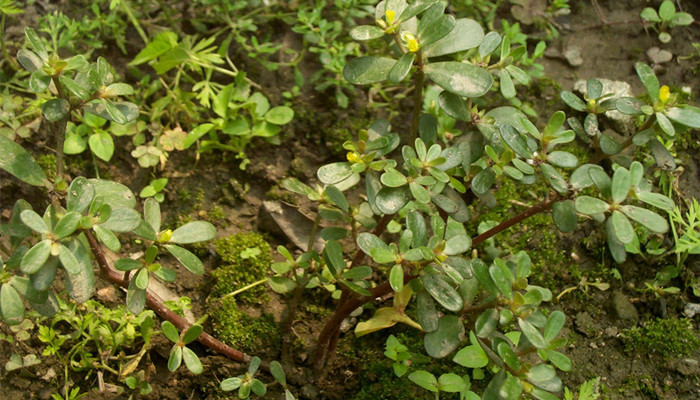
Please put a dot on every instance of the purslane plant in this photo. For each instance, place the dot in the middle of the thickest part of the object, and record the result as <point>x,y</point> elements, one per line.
<point>82,218</point>
<point>423,192</point>
<point>666,18</point>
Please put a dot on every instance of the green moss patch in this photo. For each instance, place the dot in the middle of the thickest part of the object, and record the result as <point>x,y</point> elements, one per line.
<point>240,330</point>
<point>668,337</point>
<point>245,259</point>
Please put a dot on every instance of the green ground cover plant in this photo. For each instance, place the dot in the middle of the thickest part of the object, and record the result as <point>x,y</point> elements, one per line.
<point>400,218</point>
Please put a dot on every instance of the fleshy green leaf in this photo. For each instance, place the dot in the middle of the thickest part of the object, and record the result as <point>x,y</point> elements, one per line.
<point>122,220</point>
<point>649,80</point>
<point>622,227</point>
<point>192,362</point>
<point>39,81</point>
<point>459,78</point>
<point>396,278</point>
<point>621,184</point>
<point>564,215</point>
<point>573,101</point>
<point>554,178</point>
<point>18,162</point>
<point>688,116</point>
<point>392,200</point>
<point>555,321</point>
<point>11,306</point>
<point>466,34</point>
<point>186,258</point>
<point>102,145</point>
<point>36,257</point>
<point>366,70</point>
<point>590,205</point>
<point>170,331</point>
<point>279,115</point>
<point>454,106</point>
<point>446,338</point>
<point>402,67</point>
<point>366,32</point>
<point>649,219</point>
<point>656,199</point>
<point>442,292</point>
<point>532,334</point>
<point>69,261</point>
<point>55,109</point>
<point>80,195</point>
<point>192,333</point>
<point>34,221</point>
<point>472,356</point>
<point>424,379</point>
<point>193,232</point>
<point>331,174</point>
<point>562,159</point>
<point>67,225</point>
<point>175,359</point>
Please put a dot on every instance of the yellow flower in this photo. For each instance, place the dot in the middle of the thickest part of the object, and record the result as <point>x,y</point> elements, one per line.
<point>353,157</point>
<point>390,16</point>
<point>165,236</point>
<point>413,45</point>
<point>664,94</point>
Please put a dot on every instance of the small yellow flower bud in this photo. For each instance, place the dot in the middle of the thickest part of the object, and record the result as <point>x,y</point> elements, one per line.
<point>165,236</point>
<point>353,157</point>
<point>413,45</point>
<point>664,94</point>
<point>591,104</point>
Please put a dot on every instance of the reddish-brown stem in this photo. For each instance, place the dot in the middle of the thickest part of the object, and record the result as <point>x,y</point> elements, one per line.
<point>537,208</point>
<point>156,305</point>
<point>328,338</point>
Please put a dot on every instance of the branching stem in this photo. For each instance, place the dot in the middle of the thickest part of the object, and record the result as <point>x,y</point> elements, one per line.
<point>156,305</point>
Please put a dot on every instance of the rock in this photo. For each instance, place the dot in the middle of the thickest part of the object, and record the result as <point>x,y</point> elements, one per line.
<point>659,56</point>
<point>660,308</point>
<point>49,375</point>
<point>280,219</point>
<point>691,309</point>
<point>685,366</point>
<point>621,309</point>
<point>572,55</point>
<point>347,324</point>
<point>309,391</point>
<point>611,331</point>
<point>621,122</point>
<point>585,325</point>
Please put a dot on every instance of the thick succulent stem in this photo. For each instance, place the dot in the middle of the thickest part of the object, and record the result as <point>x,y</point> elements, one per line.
<point>328,338</point>
<point>156,305</point>
<point>536,209</point>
